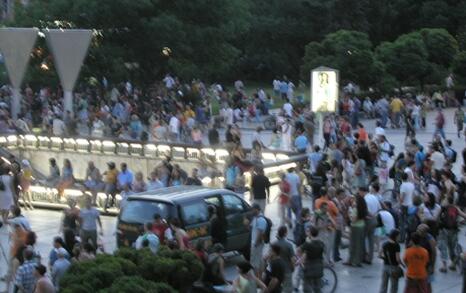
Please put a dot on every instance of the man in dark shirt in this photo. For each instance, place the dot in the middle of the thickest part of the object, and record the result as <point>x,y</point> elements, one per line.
<point>194,179</point>
<point>288,256</point>
<point>260,187</point>
<point>390,254</point>
<point>213,136</point>
<point>312,252</point>
<point>217,226</point>
<point>275,272</point>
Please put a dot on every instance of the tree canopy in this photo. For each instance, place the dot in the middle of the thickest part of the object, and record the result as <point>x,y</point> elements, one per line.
<point>219,40</point>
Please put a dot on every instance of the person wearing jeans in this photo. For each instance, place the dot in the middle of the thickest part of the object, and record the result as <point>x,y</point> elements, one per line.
<point>406,200</point>
<point>89,217</point>
<point>390,254</point>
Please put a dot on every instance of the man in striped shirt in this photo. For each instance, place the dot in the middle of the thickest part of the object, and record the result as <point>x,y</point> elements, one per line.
<point>25,279</point>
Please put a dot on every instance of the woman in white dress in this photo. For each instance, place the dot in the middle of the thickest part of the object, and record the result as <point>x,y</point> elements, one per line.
<point>6,192</point>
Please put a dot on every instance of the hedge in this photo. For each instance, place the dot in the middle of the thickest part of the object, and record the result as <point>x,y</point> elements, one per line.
<point>130,270</point>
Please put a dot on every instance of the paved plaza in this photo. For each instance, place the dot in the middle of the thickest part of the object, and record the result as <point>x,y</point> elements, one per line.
<point>367,279</point>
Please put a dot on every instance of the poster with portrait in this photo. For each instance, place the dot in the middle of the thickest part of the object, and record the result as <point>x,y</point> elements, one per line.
<point>324,89</point>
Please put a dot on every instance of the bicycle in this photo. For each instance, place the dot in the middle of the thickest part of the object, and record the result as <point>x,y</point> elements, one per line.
<point>329,280</point>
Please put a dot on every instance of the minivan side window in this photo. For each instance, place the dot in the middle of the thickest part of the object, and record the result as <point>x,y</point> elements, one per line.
<point>194,213</point>
<point>233,205</point>
<point>213,200</point>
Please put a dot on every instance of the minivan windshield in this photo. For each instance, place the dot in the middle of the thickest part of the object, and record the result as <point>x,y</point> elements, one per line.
<point>143,211</point>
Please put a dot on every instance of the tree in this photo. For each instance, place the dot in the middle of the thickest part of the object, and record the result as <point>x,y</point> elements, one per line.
<point>348,51</point>
<point>405,58</point>
<point>198,33</point>
<point>459,67</point>
<point>441,46</point>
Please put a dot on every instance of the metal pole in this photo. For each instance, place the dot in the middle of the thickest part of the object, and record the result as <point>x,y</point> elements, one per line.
<point>68,102</point>
<point>15,103</point>
<point>320,133</point>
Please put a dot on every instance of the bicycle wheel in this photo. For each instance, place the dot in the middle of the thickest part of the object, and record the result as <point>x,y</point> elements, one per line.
<point>329,280</point>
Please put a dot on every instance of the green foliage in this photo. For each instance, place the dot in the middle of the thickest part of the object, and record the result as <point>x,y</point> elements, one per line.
<point>137,285</point>
<point>405,58</point>
<point>459,67</point>
<point>218,40</point>
<point>197,32</point>
<point>348,51</point>
<point>441,46</point>
<point>419,57</point>
<point>130,270</point>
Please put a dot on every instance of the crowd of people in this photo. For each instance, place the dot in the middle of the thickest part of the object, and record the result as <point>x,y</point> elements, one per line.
<point>403,206</point>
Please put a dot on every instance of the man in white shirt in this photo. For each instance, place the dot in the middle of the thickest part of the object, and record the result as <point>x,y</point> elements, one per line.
<point>174,126</point>
<point>229,116</point>
<point>288,109</point>
<point>438,159</point>
<point>58,126</point>
<point>262,95</point>
<point>406,200</point>
<point>379,130</point>
<point>276,87</point>
<point>384,148</point>
<point>388,223</point>
<point>373,206</point>
<point>410,171</point>
<point>169,81</point>
<point>238,115</point>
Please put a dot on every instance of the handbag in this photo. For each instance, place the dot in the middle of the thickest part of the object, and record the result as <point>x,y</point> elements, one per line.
<point>397,272</point>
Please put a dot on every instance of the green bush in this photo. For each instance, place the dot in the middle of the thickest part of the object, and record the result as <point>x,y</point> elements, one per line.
<point>76,288</point>
<point>136,284</point>
<point>130,270</point>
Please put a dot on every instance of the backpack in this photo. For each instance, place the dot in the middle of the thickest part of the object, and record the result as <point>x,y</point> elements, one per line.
<point>449,218</point>
<point>268,229</point>
<point>453,155</point>
<point>413,221</point>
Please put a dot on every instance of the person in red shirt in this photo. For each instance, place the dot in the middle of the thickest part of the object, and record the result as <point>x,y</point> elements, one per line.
<point>325,198</point>
<point>345,126</point>
<point>159,227</point>
<point>363,136</point>
<point>284,199</point>
<point>416,259</point>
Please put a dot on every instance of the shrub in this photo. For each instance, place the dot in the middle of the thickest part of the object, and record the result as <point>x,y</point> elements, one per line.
<point>137,269</point>
<point>135,284</point>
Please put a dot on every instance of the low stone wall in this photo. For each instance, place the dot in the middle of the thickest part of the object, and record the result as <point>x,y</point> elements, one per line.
<point>39,159</point>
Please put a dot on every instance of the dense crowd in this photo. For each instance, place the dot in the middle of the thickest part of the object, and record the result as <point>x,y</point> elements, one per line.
<point>403,206</point>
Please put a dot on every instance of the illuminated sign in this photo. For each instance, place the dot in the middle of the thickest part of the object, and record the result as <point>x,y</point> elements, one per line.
<point>324,89</point>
